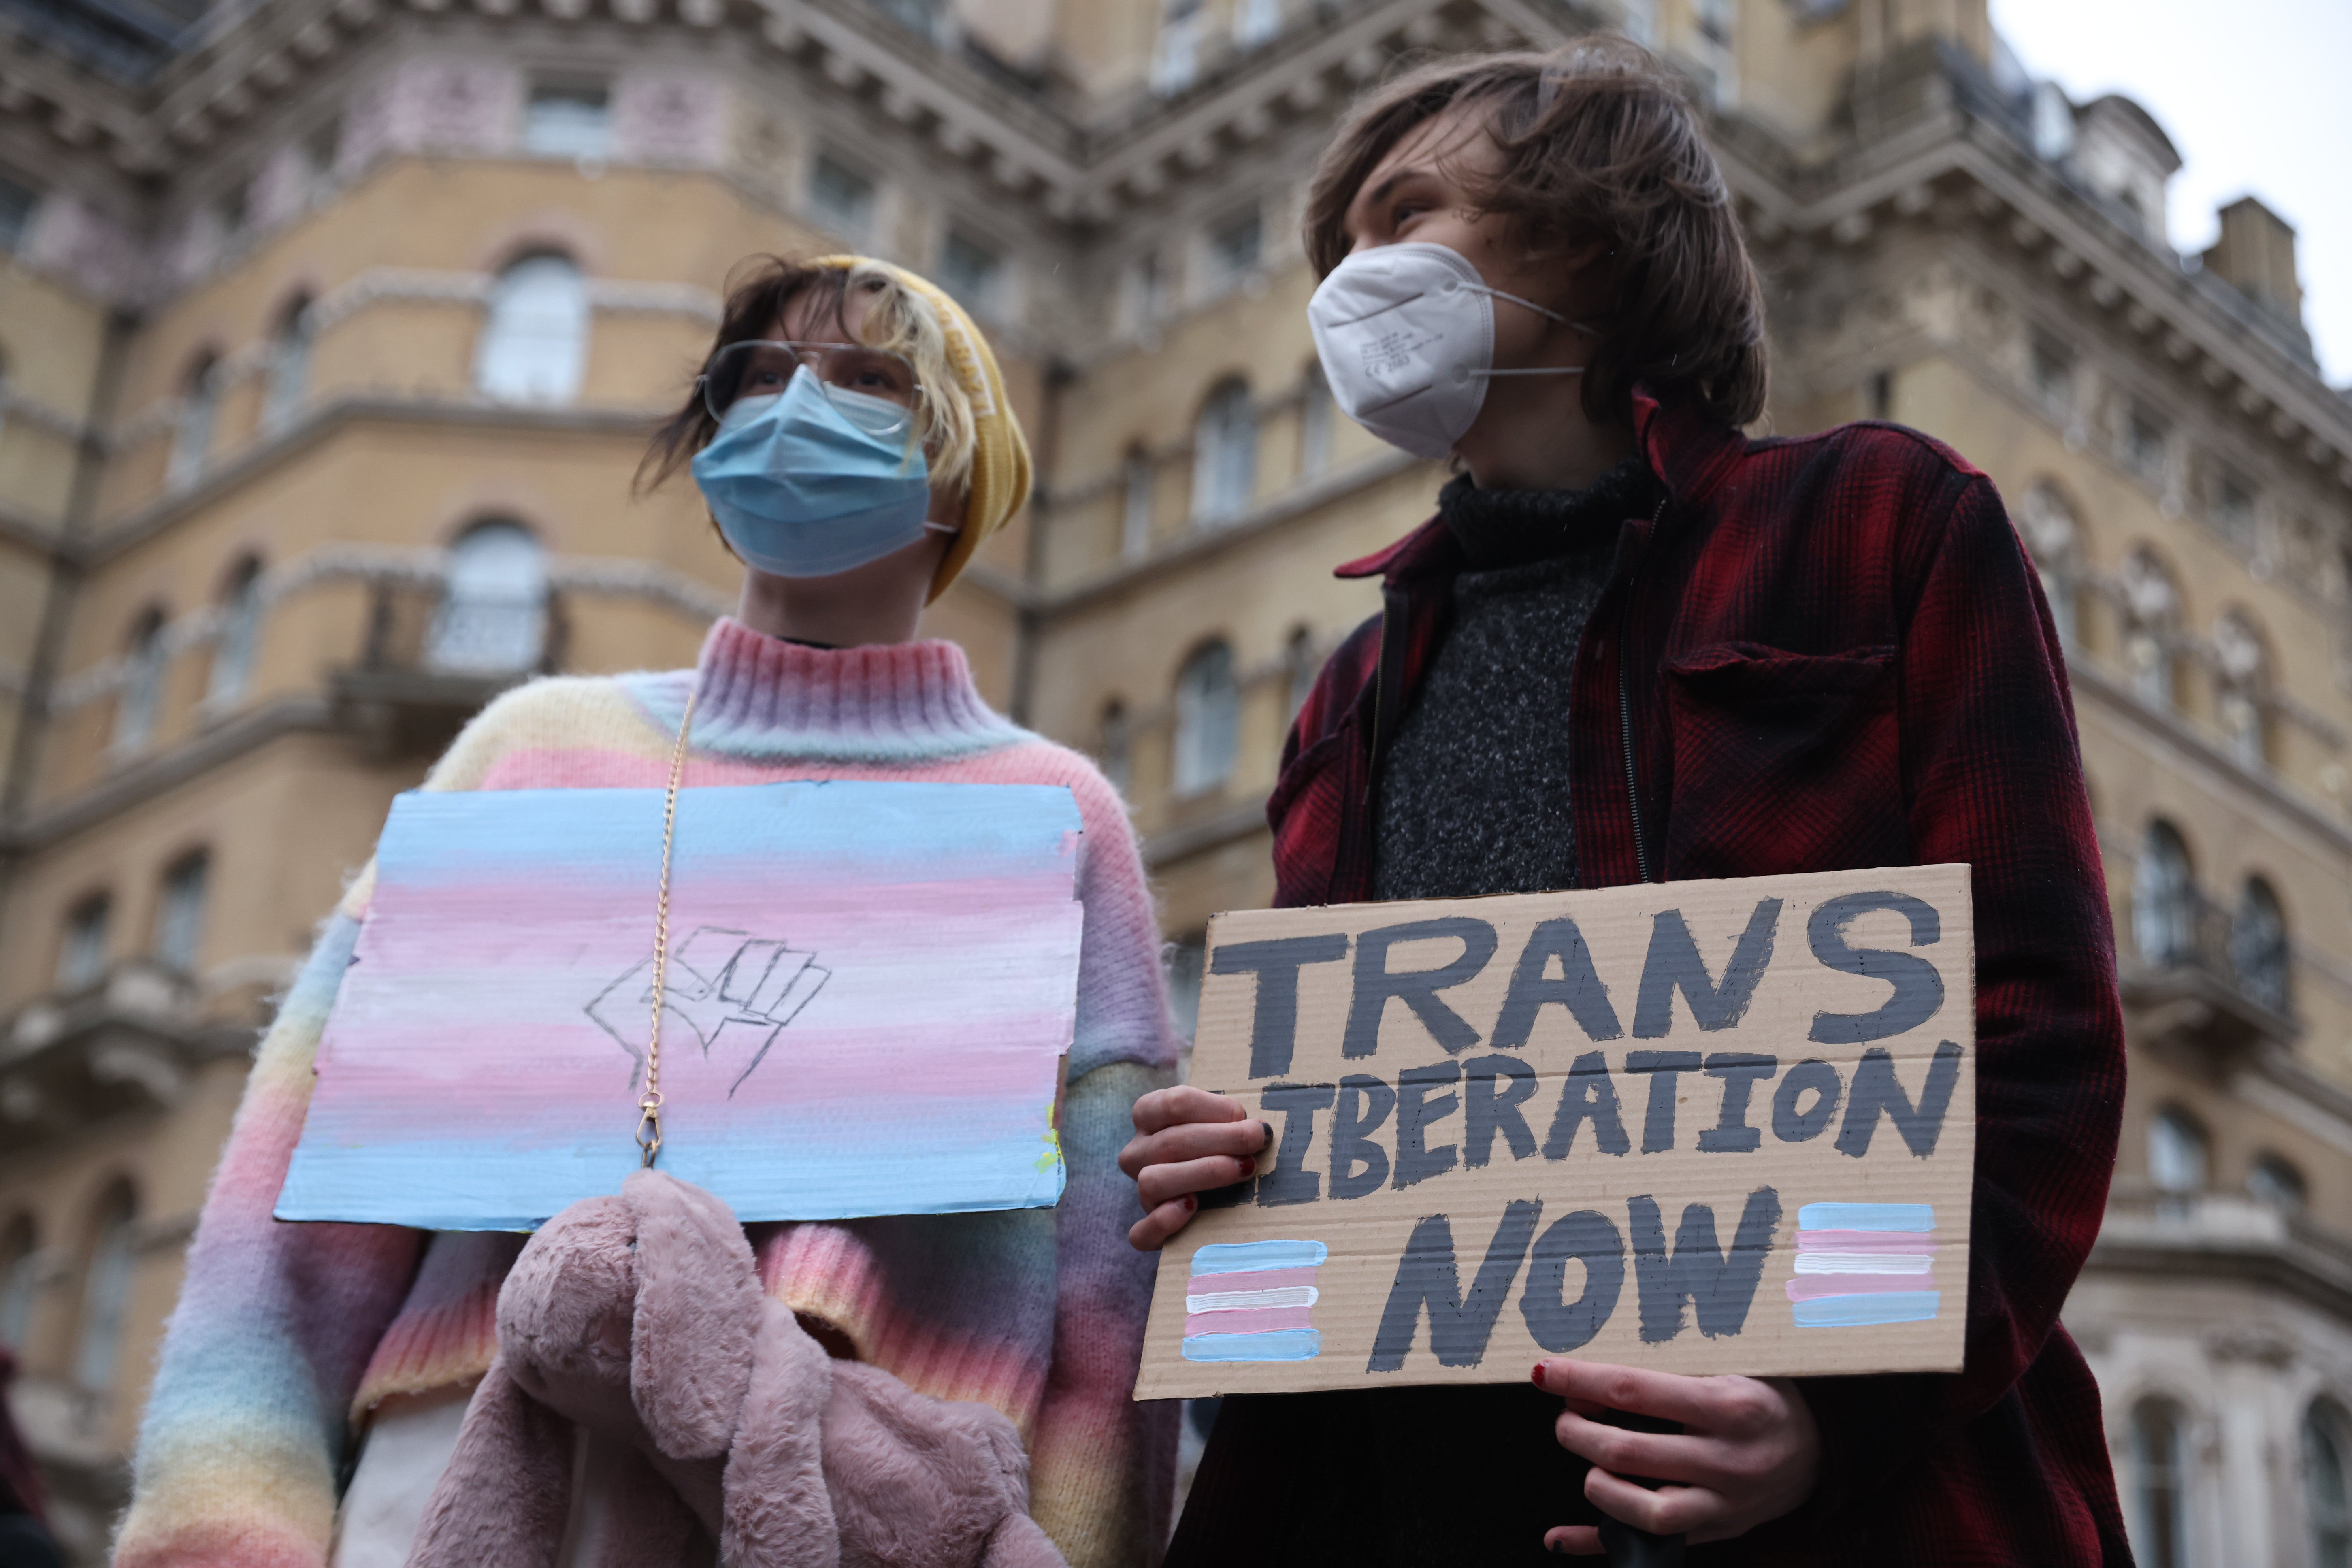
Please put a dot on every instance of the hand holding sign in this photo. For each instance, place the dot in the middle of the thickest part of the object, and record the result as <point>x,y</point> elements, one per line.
<point>1747,1451</point>
<point>1187,1142</point>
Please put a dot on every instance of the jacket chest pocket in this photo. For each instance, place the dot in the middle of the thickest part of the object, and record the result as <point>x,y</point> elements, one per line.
<point>1783,761</point>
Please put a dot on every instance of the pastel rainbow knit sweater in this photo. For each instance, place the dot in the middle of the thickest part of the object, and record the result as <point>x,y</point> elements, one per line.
<point>288,1334</point>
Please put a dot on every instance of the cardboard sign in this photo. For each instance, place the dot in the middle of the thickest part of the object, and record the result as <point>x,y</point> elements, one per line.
<point>871,989</point>
<point>1703,1127</point>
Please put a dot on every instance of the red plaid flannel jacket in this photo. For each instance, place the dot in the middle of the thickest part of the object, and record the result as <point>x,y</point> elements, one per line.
<point>1830,652</point>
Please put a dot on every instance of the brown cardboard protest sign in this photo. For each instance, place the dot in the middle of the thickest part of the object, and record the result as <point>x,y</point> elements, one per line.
<point>1704,1127</point>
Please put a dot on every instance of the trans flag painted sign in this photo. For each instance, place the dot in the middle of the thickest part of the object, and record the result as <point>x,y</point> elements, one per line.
<point>871,988</point>
<point>1702,1126</point>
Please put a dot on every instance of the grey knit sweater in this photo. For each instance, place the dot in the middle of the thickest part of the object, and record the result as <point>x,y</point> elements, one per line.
<point>1474,791</point>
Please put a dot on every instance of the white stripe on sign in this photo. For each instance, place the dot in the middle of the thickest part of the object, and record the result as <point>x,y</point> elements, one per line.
<point>1242,1301</point>
<point>1864,1262</point>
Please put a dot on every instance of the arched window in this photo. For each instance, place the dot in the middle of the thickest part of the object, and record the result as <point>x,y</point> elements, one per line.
<point>1224,454</point>
<point>106,1290</point>
<point>179,913</point>
<point>2326,1500</point>
<point>191,430</point>
<point>88,943</point>
<point>1208,720</point>
<point>535,343</point>
<point>1140,477</point>
<point>2151,626</point>
<point>289,369</point>
<point>2242,674</point>
<point>2160,1495</point>
<point>2164,899</point>
<point>2257,946</point>
<point>493,614</point>
<point>1315,412</point>
<point>2179,1157</point>
<point>1117,750</point>
<point>239,634</point>
<point>2275,1181</point>
<point>1302,667</point>
<point>19,1279</point>
<point>2053,536</point>
<point>142,693</point>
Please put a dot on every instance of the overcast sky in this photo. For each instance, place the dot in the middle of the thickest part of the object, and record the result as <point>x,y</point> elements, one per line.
<point>2254,95</point>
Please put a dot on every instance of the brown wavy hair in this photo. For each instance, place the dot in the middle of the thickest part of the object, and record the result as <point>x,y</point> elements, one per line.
<point>1601,147</point>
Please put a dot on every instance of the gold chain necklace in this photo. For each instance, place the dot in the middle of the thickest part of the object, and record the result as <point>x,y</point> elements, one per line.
<point>650,1108</point>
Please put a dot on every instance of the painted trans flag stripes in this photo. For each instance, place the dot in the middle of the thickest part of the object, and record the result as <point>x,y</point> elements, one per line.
<point>1253,1301</point>
<point>1864,1264</point>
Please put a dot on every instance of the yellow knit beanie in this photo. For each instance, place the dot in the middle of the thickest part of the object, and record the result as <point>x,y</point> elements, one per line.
<point>999,457</point>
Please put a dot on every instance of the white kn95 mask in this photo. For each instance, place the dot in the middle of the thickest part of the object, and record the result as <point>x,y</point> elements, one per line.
<point>1406,334</point>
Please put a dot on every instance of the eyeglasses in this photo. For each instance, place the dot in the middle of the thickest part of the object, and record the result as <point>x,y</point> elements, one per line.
<point>877,389</point>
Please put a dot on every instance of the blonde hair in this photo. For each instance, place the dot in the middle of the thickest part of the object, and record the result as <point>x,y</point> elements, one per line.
<point>901,320</point>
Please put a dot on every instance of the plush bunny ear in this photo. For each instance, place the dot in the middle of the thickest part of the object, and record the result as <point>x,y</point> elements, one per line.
<point>503,1500</point>
<point>778,1511</point>
<point>698,1305</point>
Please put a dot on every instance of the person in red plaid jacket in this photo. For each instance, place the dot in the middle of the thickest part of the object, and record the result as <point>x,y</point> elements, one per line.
<point>1635,645</point>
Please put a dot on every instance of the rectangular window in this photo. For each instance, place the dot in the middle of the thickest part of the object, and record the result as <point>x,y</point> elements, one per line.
<point>1315,411</point>
<point>1881,395</point>
<point>1146,295</point>
<point>1134,516</point>
<point>840,197</point>
<point>82,960</point>
<point>924,16</point>
<point>16,206</point>
<point>2144,438</point>
<point>229,211</point>
<point>180,918</point>
<point>2233,506</point>
<point>568,121</point>
<point>321,149</point>
<point>971,272</point>
<point>2052,370</point>
<point>1176,58</point>
<point>1235,250</point>
<point>1257,22</point>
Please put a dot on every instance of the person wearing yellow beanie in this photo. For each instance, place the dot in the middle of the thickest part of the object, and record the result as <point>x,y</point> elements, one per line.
<point>850,431</point>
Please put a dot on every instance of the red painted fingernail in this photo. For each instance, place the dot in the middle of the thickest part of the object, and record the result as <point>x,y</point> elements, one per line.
<point>1190,1203</point>
<point>1539,1374</point>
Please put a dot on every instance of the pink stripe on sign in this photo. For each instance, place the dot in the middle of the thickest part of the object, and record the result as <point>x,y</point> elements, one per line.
<point>1250,1279</point>
<point>1255,1321</point>
<point>1863,1241</point>
<point>1813,1287</point>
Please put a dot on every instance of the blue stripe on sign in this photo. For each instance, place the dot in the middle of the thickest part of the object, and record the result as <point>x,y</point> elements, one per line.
<point>1235,1256</point>
<point>1281,1345</point>
<point>1861,1311</point>
<point>1866,1217</point>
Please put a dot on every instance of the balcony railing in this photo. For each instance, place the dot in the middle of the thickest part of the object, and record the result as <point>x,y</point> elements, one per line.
<point>431,660</point>
<point>131,1040</point>
<point>2231,972</point>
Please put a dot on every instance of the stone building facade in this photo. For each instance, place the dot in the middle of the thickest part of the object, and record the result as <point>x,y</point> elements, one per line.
<point>331,328</point>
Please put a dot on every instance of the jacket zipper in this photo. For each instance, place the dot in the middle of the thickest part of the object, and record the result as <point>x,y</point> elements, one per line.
<point>1625,698</point>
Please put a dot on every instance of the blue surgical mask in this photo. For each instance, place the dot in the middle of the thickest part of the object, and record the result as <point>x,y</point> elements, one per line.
<point>808,483</point>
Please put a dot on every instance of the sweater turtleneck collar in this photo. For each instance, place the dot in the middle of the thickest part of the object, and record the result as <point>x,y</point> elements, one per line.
<point>760,696</point>
<point>1514,527</point>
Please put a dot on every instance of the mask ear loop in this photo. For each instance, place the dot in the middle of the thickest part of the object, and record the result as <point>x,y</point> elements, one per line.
<point>1587,329</point>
